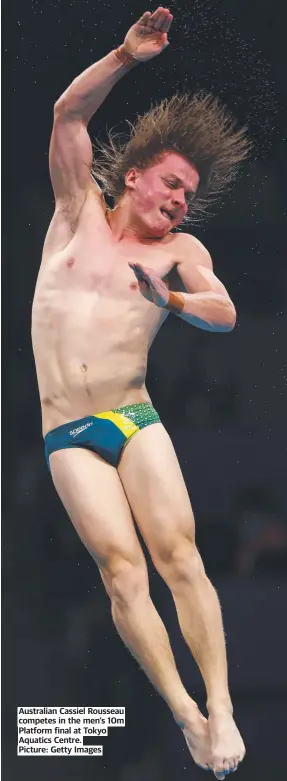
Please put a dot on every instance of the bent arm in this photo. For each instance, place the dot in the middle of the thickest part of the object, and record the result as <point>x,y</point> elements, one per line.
<point>208,311</point>
<point>206,304</point>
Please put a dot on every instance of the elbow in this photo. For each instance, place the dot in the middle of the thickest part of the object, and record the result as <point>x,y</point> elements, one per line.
<point>65,104</point>
<point>67,108</point>
<point>231,317</point>
<point>228,323</point>
<point>60,107</point>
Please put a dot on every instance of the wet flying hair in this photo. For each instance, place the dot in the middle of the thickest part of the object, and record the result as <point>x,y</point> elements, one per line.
<point>197,127</point>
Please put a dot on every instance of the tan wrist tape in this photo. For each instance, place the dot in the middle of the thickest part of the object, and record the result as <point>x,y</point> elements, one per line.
<point>124,57</point>
<point>175,303</point>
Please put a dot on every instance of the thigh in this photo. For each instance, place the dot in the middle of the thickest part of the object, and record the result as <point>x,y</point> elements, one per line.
<point>92,494</point>
<point>156,490</point>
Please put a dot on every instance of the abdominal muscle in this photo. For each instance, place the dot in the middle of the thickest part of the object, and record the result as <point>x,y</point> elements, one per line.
<point>90,347</point>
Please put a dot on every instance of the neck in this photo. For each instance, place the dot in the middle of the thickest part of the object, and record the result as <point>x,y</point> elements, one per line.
<point>124,230</point>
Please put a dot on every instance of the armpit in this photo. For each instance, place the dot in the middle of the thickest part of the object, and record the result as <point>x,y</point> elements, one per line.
<point>174,282</point>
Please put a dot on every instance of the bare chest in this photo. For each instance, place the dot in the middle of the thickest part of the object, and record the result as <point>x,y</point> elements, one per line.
<point>95,267</point>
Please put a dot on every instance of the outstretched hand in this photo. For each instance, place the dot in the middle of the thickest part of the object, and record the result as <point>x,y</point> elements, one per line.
<point>148,37</point>
<point>151,285</point>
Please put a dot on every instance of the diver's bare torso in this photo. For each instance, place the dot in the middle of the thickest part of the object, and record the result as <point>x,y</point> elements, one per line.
<point>91,327</point>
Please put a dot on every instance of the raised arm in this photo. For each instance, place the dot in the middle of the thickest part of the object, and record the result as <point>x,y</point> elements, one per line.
<point>70,156</point>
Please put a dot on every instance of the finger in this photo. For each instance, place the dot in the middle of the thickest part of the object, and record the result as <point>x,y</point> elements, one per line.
<point>141,276</point>
<point>157,12</point>
<point>156,15</point>
<point>144,18</point>
<point>138,274</point>
<point>137,268</point>
<point>159,21</point>
<point>145,278</point>
<point>166,24</point>
<point>144,269</point>
<point>164,40</point>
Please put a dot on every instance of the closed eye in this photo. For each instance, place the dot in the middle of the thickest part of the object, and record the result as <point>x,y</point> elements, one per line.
<point>189,196</point>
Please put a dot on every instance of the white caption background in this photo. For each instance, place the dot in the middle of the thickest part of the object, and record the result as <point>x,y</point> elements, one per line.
<point>65,731</point>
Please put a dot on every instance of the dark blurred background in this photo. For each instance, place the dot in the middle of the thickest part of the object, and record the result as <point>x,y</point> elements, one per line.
<point>224,402</point>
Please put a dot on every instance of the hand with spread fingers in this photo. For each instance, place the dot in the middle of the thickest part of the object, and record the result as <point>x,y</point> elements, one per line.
<point>148,37</point>
<point>151,285</point>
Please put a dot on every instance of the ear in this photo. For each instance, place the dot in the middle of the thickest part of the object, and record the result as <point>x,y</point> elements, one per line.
<point>131,178</point>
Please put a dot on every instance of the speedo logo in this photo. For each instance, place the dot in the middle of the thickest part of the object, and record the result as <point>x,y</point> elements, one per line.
<point>77,431</point>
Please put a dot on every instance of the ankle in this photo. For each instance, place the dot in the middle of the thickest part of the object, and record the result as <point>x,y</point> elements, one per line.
<point>219,707</point>
<point>187,714</point>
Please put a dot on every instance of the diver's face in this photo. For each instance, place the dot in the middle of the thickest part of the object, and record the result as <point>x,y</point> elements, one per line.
<point>161,193</point>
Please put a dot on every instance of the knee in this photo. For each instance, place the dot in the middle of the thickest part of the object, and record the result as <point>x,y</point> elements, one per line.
<point>181,562</point>
<point>127,583</point>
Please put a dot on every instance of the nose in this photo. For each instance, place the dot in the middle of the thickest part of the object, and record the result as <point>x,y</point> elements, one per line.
<point>179,200</point>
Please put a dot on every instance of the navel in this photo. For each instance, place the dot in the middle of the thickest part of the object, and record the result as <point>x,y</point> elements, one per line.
<point>84,370</point>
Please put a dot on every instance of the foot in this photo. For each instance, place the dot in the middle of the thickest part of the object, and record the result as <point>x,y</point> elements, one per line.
<point>196,733</point>
<point>227,747</point>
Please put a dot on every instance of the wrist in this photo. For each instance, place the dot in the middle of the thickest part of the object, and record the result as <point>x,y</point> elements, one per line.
<point>127,59</point>
<point>175,302</point>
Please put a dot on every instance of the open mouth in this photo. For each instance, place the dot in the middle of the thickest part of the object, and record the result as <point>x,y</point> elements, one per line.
<point>166,214</point>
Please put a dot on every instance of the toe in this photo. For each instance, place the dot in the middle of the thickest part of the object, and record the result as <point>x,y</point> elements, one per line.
<point>230,766</point>
<point>221,773</point>
<point>236,762</point>
<point>219,769</point>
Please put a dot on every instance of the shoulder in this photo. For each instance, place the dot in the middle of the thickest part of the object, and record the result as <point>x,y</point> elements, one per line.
<point>189,254</point>
<point>189,249</point>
